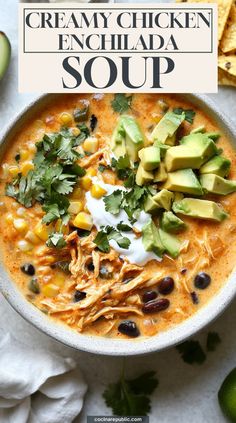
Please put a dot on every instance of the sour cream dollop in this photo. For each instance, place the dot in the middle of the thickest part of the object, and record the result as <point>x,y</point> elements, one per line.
<point>135,253</point>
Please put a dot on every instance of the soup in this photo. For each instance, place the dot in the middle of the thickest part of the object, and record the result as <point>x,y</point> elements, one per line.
<point>119,211</point>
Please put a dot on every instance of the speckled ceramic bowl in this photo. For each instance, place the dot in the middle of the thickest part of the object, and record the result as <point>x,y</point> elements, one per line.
<point>106,346</point>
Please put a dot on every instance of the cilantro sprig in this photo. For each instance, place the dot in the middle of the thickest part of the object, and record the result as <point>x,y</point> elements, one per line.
<point>192,352</point>
<point>121,103</point>
<point>189,113</point>
<point>107,234</point>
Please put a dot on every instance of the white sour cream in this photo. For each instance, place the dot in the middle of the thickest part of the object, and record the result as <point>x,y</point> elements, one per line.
<point>136,252</point>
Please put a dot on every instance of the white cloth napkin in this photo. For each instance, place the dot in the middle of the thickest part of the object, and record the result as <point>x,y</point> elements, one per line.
<point>37,386</point>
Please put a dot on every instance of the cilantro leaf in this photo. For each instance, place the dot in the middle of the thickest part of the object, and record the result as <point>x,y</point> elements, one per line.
<point>80,115</point>
<point>56,240</point>
<point>213,340</point>
<point>121,240</point>
<point>130,397</point>
<point>102,242</point>
<point>121,103</point>
<point>123,227</point>
<point>11,191</point>
<point>113,201</point>
<point>191,352</point>
<point>189,113</point>
<point>122,166</point>
<point>108,233</point>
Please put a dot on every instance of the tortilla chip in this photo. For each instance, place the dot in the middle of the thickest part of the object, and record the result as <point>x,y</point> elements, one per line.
<point>225,79</point>
<point>228,42</point>
<point>228,64</point>
<point>224,7</point>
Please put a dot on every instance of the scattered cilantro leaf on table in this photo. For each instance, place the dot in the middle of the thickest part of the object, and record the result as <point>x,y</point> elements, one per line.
<point>121,103</point>
<point>213,340</point>
<point>189,113</point>
<point>131,397</point>
<point>191,352</point>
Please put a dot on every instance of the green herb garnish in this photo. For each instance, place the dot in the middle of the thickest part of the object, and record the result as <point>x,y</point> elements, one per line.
<point>56,240</point>
<point>189,113</point>
<point>81,115</point>
<point>191,352</point>
<point>213,340</point>
<point>121,103</point>
<point>108,233</point>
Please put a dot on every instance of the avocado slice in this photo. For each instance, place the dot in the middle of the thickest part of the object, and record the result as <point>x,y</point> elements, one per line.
<point>143,176</point>
<point>134,139</point>
<point>182,157</point>
<point>118,141</point>
<point>183,180</point>
<point>201,209</point>
<point>150,157</point>
<point>218,165</point>
<point>165,130</point>
<point>160,175</point>
<point>164,198</point>
<point>151,238</point>
<point>198,129</point>
<point>150,206</point>
<point>171,243</point>
<point>217,185</point>
<point>172,223</point>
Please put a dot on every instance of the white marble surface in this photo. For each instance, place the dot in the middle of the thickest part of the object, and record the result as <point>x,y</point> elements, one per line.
<point>185,393</point>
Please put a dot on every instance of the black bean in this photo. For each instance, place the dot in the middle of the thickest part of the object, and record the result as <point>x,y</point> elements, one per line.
<point>93,122</point>
<point>28,269</point>
<point>79,295</point>
<point>90,266</point>
<point>149,296</point>
<point>104,273</point>
<point>129,328</point>
<point>156,305</point>
<point>183,271</point>
<point>194,297</point>
<point>34,286</point>
<point>166,285</point>
<point>202,280</point>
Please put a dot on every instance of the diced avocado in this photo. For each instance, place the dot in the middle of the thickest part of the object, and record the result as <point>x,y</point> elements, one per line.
<point>182,157</point>
<point>171,243</point>
<point>213,135</point>
<point>143,176</point>
<point>200,128</point>
<point>150,206</point>
<point>151,238</point>
<point>165,129</point>
<point>150,157</point>
<point>134,139</point>
<point>183,180</point>
<point>218,165</point>
<point>178,196</point>
<point>118,141</point>
<point>217,185</point>
<point>171,223</point>
<point>202,142</point>
<point>164,199</point>
<point>163,148</point>
<point>201,209</point>
<point>160,175</point>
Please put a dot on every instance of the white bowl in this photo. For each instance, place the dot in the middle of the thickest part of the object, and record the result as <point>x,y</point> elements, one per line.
<point>117,347</point>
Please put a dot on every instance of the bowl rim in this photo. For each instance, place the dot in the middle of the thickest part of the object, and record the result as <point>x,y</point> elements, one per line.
<point>111,346</point>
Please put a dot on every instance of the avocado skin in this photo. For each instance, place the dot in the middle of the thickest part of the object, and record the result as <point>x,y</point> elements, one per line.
<point>217,185</point>
<point>172,223</point>
<point>171,243</point>
<point>200,209</point>
<point>218,165</point>
<point>151,238</point>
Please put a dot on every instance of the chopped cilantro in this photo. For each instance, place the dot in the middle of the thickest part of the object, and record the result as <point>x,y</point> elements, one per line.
<point>102,167</point>
<point>81,115</point>
<point>107,234</point>
<point>191,352</point>
<point>189,113</point>
<point>213,340</point>
<point>131,397</point>
<point>121,103</point>
<point>84,133</point>
<point>123,227</point>
<point>122,166</point>
<point>113,201</point>
<point>56,239</point>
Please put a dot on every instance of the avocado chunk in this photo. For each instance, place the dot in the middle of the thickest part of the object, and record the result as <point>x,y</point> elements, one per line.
<point>171,243</point>
<point>163,148</point>
<point>164,198</point>
<point>143,176</point>
<point>183,180</point>
<point>182,157</point>
<point>198,129</point>
<point>172,223</point>
<point>150,157</point>
<point>218,165</point>
<point>150,206</point>
<point>217,185</point>
<point>134,139</point>
<point>165,130</point>
<point>118,141</point>
<point>201,209</point>
<point>151,238</point>
<point>160,175</point>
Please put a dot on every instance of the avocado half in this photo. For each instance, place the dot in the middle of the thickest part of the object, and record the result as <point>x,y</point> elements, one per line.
<point>5,53</point>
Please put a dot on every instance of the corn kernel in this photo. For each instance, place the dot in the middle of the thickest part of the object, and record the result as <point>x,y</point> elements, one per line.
<point>77,192</point>
<point>24,246</point>
<point>24,154</point>
<point>9,218</point>
<point>90,145</point>
<point>50,290</point>
<point>13,170</point>
<point>83,221</point>
<point>59,280</point>
<point>156,117</point>
<point>91,172</point>
<point>76,131</point>
<point>85,182</point>
<point>20,225</point>
<point>41,231</point>
<point>66,118</point>
<point>26,167</point>
<point>31,237</point>
<point>75,207</point>
<point>97,191</point>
